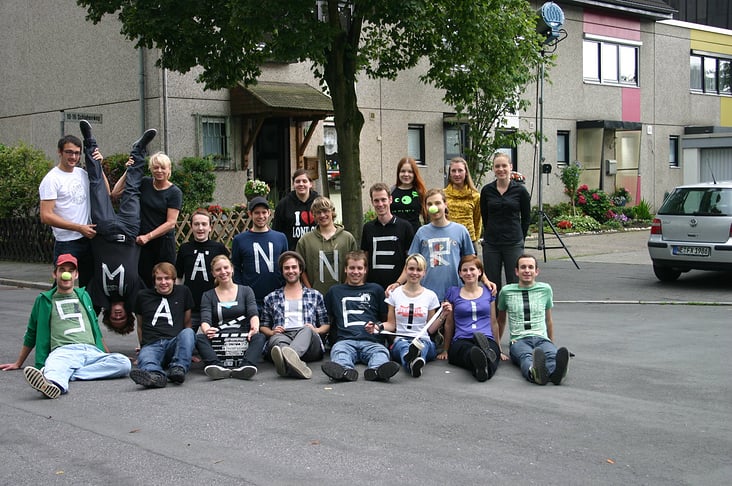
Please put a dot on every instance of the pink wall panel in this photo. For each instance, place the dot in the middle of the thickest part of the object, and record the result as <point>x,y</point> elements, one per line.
<point>631,104</point>
<point>611,26</point>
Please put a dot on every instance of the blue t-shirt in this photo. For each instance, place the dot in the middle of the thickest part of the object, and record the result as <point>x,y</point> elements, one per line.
<point>470,315</point>
<point>442,247</point>
<point>352,307</point>
<point>255,258</point>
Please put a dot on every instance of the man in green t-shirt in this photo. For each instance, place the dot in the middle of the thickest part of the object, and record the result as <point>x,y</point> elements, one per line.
<point>63,330</point>
<point>528,305</point>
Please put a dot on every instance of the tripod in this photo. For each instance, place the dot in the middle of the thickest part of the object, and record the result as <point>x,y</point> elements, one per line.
<point>545,169</point>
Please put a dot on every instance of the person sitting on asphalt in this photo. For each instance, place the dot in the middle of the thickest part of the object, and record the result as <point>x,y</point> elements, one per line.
<point>63,330</point>
<point>357,309</point>
<point>115,281</point>
<point>411,306</point>
<point>230,308</point>
<point>164,330</point>
<point>471,329</point>
<point>295,320</point>
<point>528,306</point>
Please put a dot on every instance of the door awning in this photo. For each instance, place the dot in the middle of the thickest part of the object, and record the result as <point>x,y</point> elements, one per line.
<point>270,99</point>
<point>609,124</point>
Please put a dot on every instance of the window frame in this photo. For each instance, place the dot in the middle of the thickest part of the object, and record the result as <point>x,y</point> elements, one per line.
<point>673,151</point>
<point>618,50</point>
<point>563,139</point>
<point>699,81</point>
<point>418,129</point>
<point>222,158</point>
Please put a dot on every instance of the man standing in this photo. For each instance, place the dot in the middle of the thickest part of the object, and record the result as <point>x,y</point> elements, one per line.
<point>357,308</point>
<point>64,194</point>
<point>295,320</point>
<point>255,253</point>
<point>164,330</point>
<point>63,330</point>
<point>386,239</point>
<point>193,263</point>
<point>115,282</point>
<point>292,215</point>
<point>324,248</point>
<point>528,305</point>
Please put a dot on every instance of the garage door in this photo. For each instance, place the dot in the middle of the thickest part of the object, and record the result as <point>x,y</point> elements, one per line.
<point>717,161</point>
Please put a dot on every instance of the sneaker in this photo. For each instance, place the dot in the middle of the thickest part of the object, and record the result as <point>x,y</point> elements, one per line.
<point>336,372</point>
<point>86,131</point>
<point>480,363</point>
<point>562,364</point>
<point>148,379</point>
<point>278,361</point>
<point>177,374</point>
<point>244,372</point>
<point>141,143</point>
<point>413,352</point>
<point>484,343</point>
<point>297,365</point>
<point>539,373</point>
<point>415,367</point>
<point>383,372</point>
<point>216,372</point>
<point>35,378</point>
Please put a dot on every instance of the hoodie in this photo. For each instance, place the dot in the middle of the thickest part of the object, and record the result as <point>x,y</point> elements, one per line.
<point>325,260</point>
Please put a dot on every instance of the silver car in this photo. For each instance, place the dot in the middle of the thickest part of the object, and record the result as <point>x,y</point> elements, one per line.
<point>693,230</point>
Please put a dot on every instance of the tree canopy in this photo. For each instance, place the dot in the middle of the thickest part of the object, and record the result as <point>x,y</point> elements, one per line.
<point>480,52</point>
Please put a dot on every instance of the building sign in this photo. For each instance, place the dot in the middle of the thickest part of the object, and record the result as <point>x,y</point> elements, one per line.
<point>90,117</point>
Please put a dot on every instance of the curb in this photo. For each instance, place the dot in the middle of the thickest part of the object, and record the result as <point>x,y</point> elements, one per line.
<point>25,284</point>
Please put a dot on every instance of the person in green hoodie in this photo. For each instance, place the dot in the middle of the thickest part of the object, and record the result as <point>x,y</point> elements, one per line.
<point>64,331</point>
<point>324,249</point>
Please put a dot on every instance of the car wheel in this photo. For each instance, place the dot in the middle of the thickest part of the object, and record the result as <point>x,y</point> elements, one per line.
<point>666,274</point>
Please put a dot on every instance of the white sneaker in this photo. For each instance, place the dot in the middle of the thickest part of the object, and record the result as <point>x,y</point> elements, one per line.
<point>297,365</point>
<point>216,372</point>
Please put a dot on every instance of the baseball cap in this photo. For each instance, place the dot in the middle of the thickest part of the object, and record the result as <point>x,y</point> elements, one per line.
<point>258,201</point>
<point>66,258</point>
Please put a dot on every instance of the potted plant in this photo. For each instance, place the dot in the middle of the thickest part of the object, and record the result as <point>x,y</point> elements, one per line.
<point>620,197</point>
<point>254,188</point>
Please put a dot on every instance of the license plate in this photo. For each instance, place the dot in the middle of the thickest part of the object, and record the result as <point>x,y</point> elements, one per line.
<point>701,251</point>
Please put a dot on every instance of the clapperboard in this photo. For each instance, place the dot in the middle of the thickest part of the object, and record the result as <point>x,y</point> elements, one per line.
<point>231,346</point>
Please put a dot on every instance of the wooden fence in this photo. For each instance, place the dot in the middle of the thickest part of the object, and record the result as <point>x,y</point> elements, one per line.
<point>29,240</point>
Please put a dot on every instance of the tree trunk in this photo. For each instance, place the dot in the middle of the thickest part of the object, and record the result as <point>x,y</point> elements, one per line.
<point>340,76</point>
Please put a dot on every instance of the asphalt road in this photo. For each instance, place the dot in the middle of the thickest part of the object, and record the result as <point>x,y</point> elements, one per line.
<point>647,401</point>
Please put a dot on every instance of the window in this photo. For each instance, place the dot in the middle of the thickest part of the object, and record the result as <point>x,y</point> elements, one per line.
<point>214,139</point>
<point>562,148</point>
<point>710,73</point>
<point>673,151</point>
<point>415,143</point>
<point>610,62</point>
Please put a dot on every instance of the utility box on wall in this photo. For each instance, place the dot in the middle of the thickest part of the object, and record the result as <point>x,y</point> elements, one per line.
<point>611,167</point>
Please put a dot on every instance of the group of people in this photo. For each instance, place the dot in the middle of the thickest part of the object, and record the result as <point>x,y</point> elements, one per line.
<point>413,291</point>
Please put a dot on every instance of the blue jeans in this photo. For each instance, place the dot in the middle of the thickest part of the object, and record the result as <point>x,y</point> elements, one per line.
<point>521,353</point>
<point>351,351</point>
<point>401,346</point>
<point>81,249</point>
<point>83,362</point>
<point>497,256</point>
<point>166,353</point>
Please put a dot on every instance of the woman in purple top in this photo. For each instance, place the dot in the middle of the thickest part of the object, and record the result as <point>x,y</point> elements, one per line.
<point>471,327</point>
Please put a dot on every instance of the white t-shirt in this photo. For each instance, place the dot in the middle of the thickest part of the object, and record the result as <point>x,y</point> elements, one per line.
<point>412,312</point>
<point>70,190</point>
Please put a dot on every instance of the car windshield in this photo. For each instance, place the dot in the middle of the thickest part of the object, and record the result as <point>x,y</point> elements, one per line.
<point>698,201</point>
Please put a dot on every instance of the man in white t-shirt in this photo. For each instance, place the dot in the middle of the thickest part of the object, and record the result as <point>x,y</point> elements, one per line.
<point>64,194</point>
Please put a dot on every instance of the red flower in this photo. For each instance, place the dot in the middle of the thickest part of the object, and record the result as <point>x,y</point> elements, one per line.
<point>215,209</point>
<point>564,224</point>
<point>582,200</point>
<point>595,196</point>
<point>583,187</point>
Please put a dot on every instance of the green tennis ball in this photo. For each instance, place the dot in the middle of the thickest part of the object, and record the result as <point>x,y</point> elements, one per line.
<point>66,276</point>
<point>433,210</point>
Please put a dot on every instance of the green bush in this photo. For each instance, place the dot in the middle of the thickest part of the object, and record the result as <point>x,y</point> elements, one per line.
<point>594,203</point>
<point>578,224</point>
<point>21,170</point>
<point>642,210</point>
<point>570,178</point>
<point>114,167</point>
<point>195,178</point>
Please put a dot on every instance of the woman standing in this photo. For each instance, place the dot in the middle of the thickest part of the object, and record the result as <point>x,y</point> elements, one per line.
<point>411,306</point>
<point>408,193</point>
<point>506,209</point>
<point>231,308</point>
<point>463,198</point>
<point>471,328</point>
<point>160,203</point>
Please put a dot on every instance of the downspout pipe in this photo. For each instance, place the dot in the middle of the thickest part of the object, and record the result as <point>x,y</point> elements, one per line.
<point>141,87</point>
